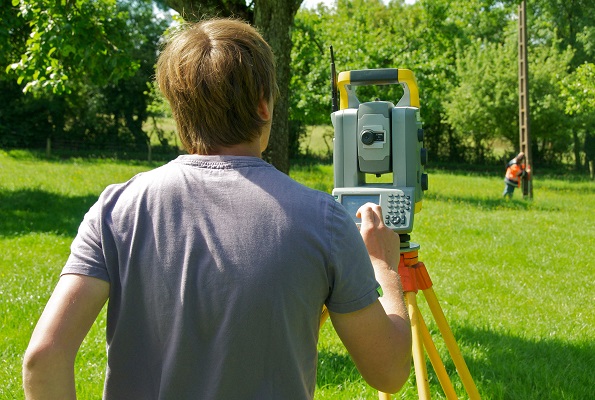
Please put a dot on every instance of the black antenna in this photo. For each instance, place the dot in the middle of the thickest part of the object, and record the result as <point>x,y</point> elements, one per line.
<point>335,105</point>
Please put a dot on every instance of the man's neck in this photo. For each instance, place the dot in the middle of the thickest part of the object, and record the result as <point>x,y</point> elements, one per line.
<point>250,149</point>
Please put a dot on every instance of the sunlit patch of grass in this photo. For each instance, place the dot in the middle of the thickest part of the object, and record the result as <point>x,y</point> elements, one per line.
<point>515,278</point>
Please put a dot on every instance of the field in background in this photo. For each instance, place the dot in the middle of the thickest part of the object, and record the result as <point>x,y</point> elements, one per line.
<point>318,141</point>
<point>515,278</point>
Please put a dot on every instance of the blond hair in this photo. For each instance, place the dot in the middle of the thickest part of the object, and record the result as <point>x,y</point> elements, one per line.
<point>213,74</point>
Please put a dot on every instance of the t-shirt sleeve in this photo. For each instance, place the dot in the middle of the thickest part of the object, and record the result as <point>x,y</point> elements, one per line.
<point>86,251</point>
<point>351,276</point>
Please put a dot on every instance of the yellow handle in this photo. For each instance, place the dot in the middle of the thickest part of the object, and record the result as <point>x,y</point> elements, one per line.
<point>383,76</point>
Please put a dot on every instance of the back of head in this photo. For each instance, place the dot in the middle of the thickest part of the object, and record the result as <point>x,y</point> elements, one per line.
<point>214,73</point>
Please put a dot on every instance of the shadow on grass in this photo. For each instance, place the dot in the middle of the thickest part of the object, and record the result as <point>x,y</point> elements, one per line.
<point>525,368</point>
<point>34,210</point>
<point>502,366</point>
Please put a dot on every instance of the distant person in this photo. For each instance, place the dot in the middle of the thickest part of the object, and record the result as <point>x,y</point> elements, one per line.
<point>216,265</point>
<point>515,170</point>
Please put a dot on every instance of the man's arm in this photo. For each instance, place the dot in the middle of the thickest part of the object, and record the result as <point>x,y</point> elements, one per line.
<point>378,337</point>
<point>48,365</point>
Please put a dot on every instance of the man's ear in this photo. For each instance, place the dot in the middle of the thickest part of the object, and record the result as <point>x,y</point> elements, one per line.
<point>264,109</point>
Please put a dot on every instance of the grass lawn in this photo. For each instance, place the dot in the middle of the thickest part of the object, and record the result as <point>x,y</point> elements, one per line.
<point>515,279</point>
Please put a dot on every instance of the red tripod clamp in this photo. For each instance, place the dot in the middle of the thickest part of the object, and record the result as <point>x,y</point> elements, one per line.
<point>414,275</point>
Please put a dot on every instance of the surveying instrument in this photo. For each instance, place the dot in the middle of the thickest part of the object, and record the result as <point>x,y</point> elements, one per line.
<point>378,138</point>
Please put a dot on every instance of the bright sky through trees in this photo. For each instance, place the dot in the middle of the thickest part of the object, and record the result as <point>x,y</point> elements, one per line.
<point>314,3</point>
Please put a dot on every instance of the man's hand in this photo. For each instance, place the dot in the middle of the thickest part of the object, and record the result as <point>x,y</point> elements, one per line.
<point>385,252</point>
<point>382,243</point>
<point>378,337</point>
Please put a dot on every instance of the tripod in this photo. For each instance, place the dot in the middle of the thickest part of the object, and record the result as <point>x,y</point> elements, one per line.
<point>415,277</point>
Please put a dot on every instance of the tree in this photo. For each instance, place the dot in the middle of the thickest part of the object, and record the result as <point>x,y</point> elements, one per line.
<point>127,100</point>
<point>551,129</point>
<point>72,42</point>
<point>425,37</point>
<point>464,57</point>
<point>483,106</point>
<point>567,23</point>
<point>84,68</point>
<point>349,27</point>
<point>578,90</point>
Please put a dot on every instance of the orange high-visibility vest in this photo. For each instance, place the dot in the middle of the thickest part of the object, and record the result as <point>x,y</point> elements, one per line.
<point>513,172</point>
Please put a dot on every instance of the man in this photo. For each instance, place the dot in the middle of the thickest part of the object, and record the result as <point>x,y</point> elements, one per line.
<point>515,170</point>
<point>217,265</point>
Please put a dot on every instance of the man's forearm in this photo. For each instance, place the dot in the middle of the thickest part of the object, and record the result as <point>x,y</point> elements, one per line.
<point>393,302</point>
<point>392,299</point>
<point>48,365</point>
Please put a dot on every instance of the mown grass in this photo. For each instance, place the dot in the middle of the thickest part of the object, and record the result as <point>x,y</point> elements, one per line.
<point>515,278</point>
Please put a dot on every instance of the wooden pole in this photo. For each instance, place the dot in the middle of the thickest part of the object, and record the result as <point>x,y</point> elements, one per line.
<point>524,136</point>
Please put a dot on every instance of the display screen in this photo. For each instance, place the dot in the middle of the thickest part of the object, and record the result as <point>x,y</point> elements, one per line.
<point>352,202</point>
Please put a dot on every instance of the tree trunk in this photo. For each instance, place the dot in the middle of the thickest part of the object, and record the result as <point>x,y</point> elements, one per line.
<point>577,150</point>
<point>274,19</point>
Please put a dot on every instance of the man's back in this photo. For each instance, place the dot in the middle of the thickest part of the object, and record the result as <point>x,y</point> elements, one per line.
<point>219,267</point>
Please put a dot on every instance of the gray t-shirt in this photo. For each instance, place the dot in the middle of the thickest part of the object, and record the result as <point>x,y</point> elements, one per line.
<point>218,269</point>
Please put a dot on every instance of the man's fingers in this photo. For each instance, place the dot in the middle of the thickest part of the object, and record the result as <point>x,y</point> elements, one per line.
<point>370,214</point>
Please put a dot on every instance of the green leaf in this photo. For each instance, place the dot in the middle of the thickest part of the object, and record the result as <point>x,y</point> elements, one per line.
<point>13,66</point>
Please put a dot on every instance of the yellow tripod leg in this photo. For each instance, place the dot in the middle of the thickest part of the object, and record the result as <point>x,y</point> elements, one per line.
<point>323,316</point>
<point>419,360</point>
<point>383,396</point>
<point>451,344</point>
<point>436,361</point>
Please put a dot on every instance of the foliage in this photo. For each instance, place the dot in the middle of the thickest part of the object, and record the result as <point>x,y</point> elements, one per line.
<point>351,28</point>
<point>310,78</point>
<point>425,37</point>
<point>579,90</point>
<point>158,110</point>
<point>483,107</point>
<point>551,128</point>
<point>74,42</point>
<point>103,103</point>
<point>567,24</point>
<point>464,57</point>
<point>127,100</point>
